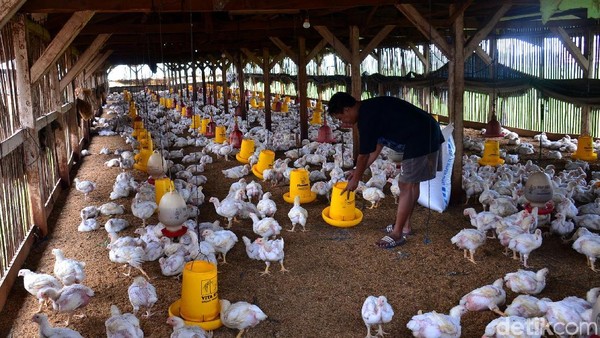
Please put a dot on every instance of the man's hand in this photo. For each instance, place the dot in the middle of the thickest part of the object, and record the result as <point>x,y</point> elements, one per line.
<point>351,186</point>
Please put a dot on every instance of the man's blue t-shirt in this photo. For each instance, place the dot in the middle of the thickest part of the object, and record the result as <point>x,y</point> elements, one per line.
<point>399,125</point>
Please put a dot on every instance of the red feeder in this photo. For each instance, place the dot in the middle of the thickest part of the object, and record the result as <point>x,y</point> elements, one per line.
<point>325,134</point>
<point>235,137</point>
<point>493,128</point>
<point>278,106</point>
<point>210,128</point>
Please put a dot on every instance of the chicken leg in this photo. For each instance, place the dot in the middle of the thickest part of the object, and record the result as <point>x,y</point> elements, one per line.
<point>380,331</point>
<point>293,227</point>
<point>472,252</point>
<point>239,335</point>
<point>369,332</point>
<point>283,269</point>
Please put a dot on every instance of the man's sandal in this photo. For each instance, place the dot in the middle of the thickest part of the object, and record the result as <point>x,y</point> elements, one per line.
<point>390,228</point>
<point>387,242</point>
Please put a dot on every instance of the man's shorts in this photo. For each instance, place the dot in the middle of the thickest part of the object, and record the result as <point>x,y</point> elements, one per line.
<point>420,169</point>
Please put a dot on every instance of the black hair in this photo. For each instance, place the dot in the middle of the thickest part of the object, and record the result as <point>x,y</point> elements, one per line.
<point>339,101</point>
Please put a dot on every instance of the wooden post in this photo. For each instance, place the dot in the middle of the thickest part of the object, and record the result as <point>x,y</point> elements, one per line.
<point>302,80</point>
<point>224,66</point>
<point>240,68</point>
<point>456,89</point>
<point>33,153</point>
<point>61,133</point>
<point>267,81</point>
<point>355,80</point>
<point>194,83</point>
<point>204,88</point>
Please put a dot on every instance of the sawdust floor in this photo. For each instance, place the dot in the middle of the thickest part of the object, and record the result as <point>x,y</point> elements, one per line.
<point>332,270</point>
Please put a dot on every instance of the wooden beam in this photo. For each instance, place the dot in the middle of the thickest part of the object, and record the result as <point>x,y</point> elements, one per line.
<point>483,55</point>
<point>84,60</point>
<point>337,45</point>
<point>460,11</point>
<point>252,57</point>
<point>420,55</point>
<point>301,86</point>
<point>285,48</point>
<point>276,59</point>
<point>31,144</point>
<point>145,6</point>
<point>12,143</point>
<point>316,50</point>
<point>485,31</point>
<point>60,43</point>
<point>413,15</point>
<point>17,262</point>
<point>575,52</point>
<point>8,8</point>
<point>97,63</point>
<point>267,92</point>
<point>456,91</point>
<point>376,40</point>
<point>356,83</point>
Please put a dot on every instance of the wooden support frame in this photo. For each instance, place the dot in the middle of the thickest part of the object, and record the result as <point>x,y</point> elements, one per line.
<point>485,31</point>
<point>337,45</point>
<point>60,43</point>
<point>267,92</point>
<point>302,90</point>
<point>375,41</point>
<point>285,48</point>
<point>413,15</point>
<point>84,60</point>
<point>96,63</point>
<point>575,52</point>
<point>8,8</point>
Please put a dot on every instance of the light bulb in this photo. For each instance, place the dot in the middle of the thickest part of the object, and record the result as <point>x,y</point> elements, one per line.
<point>306,23</point>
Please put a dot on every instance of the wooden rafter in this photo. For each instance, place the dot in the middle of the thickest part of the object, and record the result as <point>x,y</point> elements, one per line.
<point>8,8</point>
<point>276,59</point>
<point>581,60</point>
<point>485,31</point>
<point>420,55</point>
<point>413,15</point>
<point>316,50</point>
<point>376,41</point>
<point>337,45</point>
<point>252,57</point>
<point>84,60</point>
<point>285,48</point>
<point>95,65</point>
<point>60,43</point>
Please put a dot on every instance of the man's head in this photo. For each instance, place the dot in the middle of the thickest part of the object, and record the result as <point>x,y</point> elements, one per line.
<point>338,102</point>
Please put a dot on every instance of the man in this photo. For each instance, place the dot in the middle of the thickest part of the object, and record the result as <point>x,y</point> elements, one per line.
<point>406,129</point>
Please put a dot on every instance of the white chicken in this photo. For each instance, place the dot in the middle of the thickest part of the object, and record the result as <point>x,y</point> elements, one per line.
<point>67,270</point>
<point>222,241</point>
<point>373,195</point>
<point>143,209</point>
<point>180,330</point>
<point>527,282</point>
<point>172,265</point>
<point>469,240</point>
<point>588,245</point>
<point>433,324</point>
<point>227,208</point>
<point>590,208</point>
<point>85,187</point>
<point>561,226</point>
<point>503,206</point>
<point>120,325</point>
<point>266,227</point>
<point>240,315</point>
<point>142,294</point>
<point>376,311</point>
<point>394,188</point>
<point>267,251</point>
<point>34,282</point>
<point>111,208</point>
<point>487,297</point>
<point>590,221</point>
<point>266,206</point>
<point>116,225</point>
<point>68,299</point>
<point>253,189</point>
<point>225,150</point>
<point>322,188</point>
<point>506,234</point>
<point>525,306</point>
<point>525,243</point>
<point>483,221</point>
<point>298,215</point>
<point>47,331</point>
<point>132,256</point>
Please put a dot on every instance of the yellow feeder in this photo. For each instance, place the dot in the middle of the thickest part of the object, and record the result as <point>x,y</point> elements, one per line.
<point>316,117</point>
<point>265,161</point>
<point>299,186</point>
<point>261,105</point>
<point>199,303</point>
<point>253,103</point>
<point>284,107</point>
<point>319,107</point>
<point>585,149</point>
<point>146,142</point>
<point>261,95</point>
<point>287,100</point>
<point>183,111</point>
<point>141,159</point>
<point>196,123</point>
<point>220,134</point>
<point>342,212</point>
<point>162,186</point>
<point>491,154</point>
<point>204,125</point>
<point>246,150</point>
<point>161,101</point>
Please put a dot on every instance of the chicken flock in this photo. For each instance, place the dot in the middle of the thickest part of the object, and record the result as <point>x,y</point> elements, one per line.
<point>498,190</point>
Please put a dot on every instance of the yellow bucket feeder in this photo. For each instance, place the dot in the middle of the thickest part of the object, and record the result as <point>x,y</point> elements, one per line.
<point>204,125</point>
<point>265,161</point>
<point>491,154</point>
<point>316,117</point>
<point>163,186</point>
<point>342,211</point>
<point>196,122</point>
<point>299,186</point>
<point>285,108</point>
<point>585,149</point>
<point>253,103</point>
<point>220,134</point>
<point>246,150</point>
<point>199,303</point>
<point>141,159</point>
